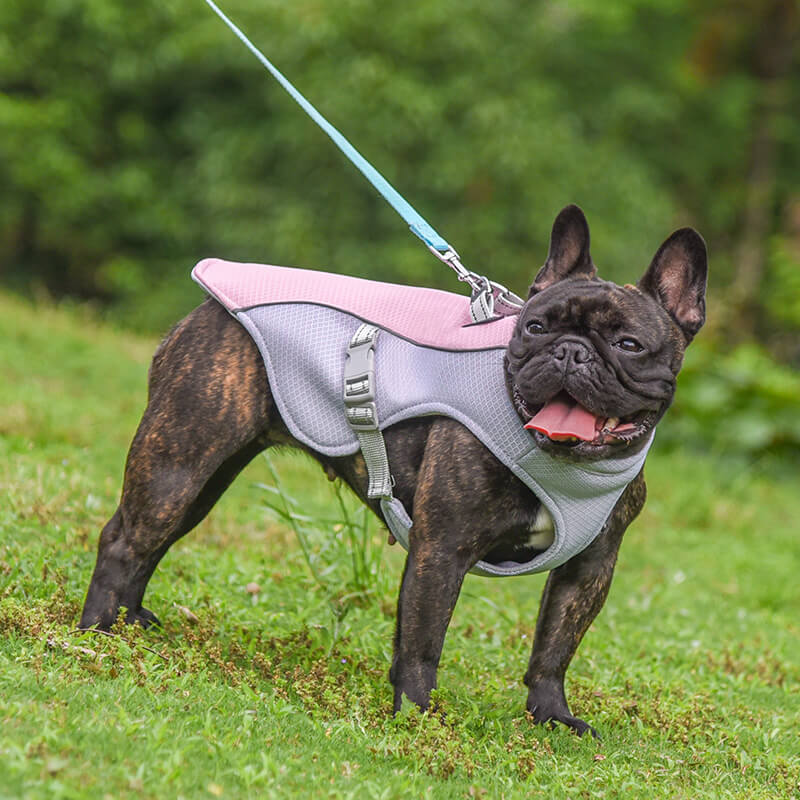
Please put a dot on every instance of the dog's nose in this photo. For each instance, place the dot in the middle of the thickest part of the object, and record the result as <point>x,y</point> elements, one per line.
<point>572,353</point>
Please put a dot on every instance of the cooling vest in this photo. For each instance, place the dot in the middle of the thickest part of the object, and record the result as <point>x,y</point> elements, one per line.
<point>429,359</point>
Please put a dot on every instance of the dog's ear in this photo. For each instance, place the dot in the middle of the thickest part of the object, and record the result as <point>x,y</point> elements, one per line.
<point>569,255</point>
<point>677,279</point>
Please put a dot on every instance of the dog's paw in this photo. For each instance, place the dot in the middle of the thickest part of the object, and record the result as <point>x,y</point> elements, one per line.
<point>548,705</point>
<point>575,724</point>
<point>144,617</point>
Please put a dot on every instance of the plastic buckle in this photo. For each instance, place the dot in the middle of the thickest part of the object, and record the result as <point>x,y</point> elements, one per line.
<point>359,383</point>
<point>359,374</point>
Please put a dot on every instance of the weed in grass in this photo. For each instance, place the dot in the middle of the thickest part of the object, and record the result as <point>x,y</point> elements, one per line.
<point>359,538</point>
<point>328,544</point>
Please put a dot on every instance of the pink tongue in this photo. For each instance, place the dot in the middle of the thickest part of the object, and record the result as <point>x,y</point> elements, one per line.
<point>562,419</point>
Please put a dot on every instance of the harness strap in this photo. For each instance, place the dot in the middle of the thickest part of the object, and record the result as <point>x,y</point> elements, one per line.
<point>484,292</point>
<point>360,411</point>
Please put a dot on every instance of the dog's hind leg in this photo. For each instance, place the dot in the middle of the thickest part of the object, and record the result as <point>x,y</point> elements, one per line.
<point>207,415</point>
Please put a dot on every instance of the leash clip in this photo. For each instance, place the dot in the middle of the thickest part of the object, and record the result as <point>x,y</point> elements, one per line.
<point>489,299</point>
<point>453,260</point>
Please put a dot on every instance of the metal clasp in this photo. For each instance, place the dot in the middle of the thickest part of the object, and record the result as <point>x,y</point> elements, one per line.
<point>484,291</point>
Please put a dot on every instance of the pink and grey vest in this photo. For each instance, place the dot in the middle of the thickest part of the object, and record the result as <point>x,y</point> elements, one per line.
<point>429,359</point>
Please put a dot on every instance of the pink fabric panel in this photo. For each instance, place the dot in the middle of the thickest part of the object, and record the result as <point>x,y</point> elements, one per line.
<point>427,316</point>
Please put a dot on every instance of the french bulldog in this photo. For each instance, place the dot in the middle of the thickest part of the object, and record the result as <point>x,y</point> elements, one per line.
<point>590,370</point>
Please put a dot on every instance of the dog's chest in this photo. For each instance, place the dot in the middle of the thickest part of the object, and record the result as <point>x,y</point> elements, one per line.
<point>522,541</point>
<point>541,531</point>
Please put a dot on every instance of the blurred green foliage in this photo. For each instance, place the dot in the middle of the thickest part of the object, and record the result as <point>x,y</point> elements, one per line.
<point>737,402</point>
<point>782,295</point>
<point>139,138</point>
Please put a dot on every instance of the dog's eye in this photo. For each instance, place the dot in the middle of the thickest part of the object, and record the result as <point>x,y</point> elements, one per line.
<point>629,345</point>
<point>534,326</point>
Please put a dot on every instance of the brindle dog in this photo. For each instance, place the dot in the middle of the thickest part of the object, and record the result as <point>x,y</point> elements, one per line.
<point>615,350</point>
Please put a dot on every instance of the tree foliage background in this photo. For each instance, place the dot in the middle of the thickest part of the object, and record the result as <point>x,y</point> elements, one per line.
<point>136,139</point>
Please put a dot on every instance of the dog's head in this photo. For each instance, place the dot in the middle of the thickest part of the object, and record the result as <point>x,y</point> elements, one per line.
<point>591,366</point>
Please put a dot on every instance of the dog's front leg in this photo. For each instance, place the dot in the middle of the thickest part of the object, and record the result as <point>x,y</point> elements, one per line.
<point>431,583</point>
<point>573,596</point>
<point>444,543</point>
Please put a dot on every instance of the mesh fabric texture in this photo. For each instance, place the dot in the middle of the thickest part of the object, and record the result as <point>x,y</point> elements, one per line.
<point>304,349</point>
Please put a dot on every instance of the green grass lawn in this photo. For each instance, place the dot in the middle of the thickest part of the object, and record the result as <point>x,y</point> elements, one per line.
<point>691,673</point>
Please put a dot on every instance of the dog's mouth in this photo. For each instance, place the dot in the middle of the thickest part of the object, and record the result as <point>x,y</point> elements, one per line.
<point>563,420</point>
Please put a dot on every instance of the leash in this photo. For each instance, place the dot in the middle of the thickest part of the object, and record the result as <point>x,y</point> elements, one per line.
<point>489,299</point>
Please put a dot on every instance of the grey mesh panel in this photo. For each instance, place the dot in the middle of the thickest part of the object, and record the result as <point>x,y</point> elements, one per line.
<point>304,348</point>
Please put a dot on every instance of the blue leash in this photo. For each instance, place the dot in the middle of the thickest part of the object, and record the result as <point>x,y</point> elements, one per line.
<point>489,299</point>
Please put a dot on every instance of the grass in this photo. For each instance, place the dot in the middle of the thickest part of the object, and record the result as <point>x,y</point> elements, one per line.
<point>269,682</point>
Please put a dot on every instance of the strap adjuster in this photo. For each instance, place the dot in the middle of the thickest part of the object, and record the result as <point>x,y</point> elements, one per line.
<point>363,417</point>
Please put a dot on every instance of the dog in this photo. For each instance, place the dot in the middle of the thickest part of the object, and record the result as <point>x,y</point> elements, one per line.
<point>590,369</point>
